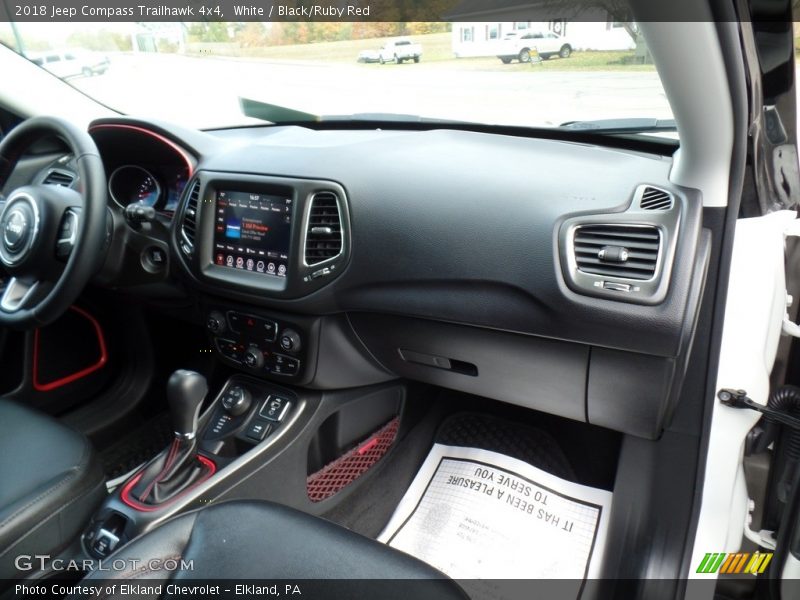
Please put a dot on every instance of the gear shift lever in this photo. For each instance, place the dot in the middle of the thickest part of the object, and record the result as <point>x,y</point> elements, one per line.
<point>178,467</point>
<point>185,393</point>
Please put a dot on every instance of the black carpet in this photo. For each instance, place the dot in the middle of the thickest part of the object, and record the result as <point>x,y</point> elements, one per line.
<point>138,446</point>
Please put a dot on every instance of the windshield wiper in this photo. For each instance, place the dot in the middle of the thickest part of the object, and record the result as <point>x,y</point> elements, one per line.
<point>621,126</point>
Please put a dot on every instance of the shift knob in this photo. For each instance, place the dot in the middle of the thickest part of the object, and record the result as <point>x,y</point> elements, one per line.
<point>185,393</point>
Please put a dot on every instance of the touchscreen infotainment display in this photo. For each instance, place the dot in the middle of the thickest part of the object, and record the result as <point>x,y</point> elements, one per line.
<point>252,231</point>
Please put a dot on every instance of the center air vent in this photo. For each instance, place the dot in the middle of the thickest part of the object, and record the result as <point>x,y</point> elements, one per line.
<point>626,251</point>
<point>62,178</point>
<point>655,199</point>
<point>189,223</point>
<point>324,232</point>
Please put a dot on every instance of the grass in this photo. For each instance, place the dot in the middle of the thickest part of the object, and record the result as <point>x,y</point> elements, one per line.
<point>437,48</point>
<point>591,60</point>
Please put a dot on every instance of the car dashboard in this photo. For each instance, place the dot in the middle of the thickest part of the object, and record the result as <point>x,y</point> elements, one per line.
<point>559,275</point>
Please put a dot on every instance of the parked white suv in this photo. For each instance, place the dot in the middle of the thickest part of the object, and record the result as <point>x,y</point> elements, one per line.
<point>71,64</point>
<point>519,46</point>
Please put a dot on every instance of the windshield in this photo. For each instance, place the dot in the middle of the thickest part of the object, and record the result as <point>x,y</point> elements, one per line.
<point>507,73</point>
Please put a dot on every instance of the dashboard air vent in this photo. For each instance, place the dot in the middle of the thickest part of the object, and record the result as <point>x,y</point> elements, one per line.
<point>189,223</point>
<point>324,233</point>
<point>62,178</point>
<point>655,199</point>
<point>626,251</point>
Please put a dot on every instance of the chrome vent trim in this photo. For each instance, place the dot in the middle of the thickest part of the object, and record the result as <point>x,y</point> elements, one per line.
<point>324,235</point>
<point>638,248</point>
<point>652,198</point>
<point>189,219</point>
<point>60,178</point>
<point>640,245</point>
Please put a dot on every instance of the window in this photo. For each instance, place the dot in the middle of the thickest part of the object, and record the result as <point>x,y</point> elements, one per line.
<point>492,32</point>
<point>53,58</point>
<point>522,25</point>
<point>467,34</point>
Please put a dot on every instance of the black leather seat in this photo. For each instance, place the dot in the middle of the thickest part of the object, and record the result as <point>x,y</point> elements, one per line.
<point>50,482</point>
<point>265,542</point>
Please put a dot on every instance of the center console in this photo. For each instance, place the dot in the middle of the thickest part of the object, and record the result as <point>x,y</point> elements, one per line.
<point>243,420</point>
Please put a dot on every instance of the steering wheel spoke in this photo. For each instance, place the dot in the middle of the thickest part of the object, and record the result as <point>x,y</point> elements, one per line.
<point>18,292</point>
<point>67,233</point>
<point>51,237</point>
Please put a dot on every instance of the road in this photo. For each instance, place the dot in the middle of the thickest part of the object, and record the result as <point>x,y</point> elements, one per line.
<point>205,91</point>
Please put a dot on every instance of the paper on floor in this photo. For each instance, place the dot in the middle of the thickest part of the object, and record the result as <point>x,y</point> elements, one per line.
<point>475,514</point>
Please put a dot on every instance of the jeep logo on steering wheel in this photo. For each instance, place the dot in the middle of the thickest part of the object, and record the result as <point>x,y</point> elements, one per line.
<point>14,232</point>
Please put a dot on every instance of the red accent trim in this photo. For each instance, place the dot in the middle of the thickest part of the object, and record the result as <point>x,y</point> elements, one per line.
<point>343,471</point>
<point>125,494</point>
<point>183,154</point>
<point>368,446</point>
<point>52,385</point>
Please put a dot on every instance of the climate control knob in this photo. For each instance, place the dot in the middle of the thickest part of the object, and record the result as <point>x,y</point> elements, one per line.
<point>215,322</point>
<point>254,357</point>
<point>290,340</point>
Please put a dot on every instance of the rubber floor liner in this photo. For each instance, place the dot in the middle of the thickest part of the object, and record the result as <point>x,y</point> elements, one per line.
<point>528,444</point>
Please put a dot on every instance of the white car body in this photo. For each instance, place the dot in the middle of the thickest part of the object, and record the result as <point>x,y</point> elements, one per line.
<point>519,45</point>
<point>399,51</point>
<point>65,64</point>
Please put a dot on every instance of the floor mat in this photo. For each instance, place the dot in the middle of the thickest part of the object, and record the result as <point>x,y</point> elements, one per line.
<point>138,446</point>
<point>495,501</point>
<point>528,444</point>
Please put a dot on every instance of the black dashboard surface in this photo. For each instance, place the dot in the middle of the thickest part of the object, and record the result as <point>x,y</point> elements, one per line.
<point>453,268</point>
<point>461,227</point>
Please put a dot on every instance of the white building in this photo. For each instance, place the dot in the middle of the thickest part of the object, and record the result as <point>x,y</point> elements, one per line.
<point>587,30</point>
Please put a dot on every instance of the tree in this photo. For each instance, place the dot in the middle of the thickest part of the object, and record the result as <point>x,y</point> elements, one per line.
<point>252,35</point>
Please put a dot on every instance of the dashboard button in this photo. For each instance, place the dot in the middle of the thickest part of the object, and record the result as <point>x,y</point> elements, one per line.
<point>230,350</point>
<point>275,408</point>
<point>284,365</point>
<point>258,327</point>
<point>258,430</point>
<point>269,329</point>
<point>235,321</point>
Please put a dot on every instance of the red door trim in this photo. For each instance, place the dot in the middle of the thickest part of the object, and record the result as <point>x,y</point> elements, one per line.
<point>101,361</point>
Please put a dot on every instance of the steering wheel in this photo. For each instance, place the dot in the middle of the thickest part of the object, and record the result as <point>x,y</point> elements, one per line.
<point>51,237</point>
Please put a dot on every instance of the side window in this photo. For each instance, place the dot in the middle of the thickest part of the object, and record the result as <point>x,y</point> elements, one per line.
<point>53,58</point>
<point>69,56</point>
